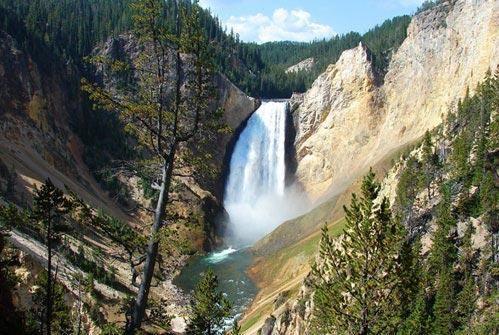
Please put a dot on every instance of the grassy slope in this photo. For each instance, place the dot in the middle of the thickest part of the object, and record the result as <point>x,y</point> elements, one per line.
<point>284,271</point>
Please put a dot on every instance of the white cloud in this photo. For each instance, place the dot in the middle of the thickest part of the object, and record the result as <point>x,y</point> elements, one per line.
<point>410,3</point>
<point>292,25</point>
<point>206,3</point>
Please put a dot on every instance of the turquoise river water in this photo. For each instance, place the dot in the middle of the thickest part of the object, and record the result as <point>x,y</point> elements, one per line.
<point>230,266</point>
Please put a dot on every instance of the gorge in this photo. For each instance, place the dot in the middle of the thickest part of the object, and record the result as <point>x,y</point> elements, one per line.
<point>252,190</point>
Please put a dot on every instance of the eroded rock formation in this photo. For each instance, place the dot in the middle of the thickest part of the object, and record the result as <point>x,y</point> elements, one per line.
<point>346,123</point>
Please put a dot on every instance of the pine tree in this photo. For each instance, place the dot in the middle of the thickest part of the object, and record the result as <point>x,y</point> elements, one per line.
<point>49,208</point>
<point>411,291</point>
<point>466,298</point>
<point>358,274</point>
<point>61,313</point>
<point>78,283</point>
<point>162,119</point>
<point>209,307</point>
<point>489,194</point>
<point>11,319</point>
<point>236,328</point>
<point>441,263</point>
<point>408,188</point>
<point>418,321</point>
<point>430,162</point>
<point>459,158</point>
<point>443,309</point>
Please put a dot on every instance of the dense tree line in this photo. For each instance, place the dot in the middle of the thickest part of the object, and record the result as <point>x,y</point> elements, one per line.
<point>60,34</point>
<point>67,31</point>
<point>69,28</point>
<point>382,41</point>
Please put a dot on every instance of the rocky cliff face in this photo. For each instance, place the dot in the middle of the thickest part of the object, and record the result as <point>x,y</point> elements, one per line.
<point>334,119</point>
<point>294,315</point>
<point>36,140</point>
<point>350,119</point>
<point>236,105</point>
<point>345,122</point>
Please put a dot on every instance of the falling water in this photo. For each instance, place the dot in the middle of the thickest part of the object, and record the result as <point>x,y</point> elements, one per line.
<point>255,192</point>
<point>256,200</point>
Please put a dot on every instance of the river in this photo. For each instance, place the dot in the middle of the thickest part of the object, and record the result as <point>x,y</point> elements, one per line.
<point>230,266</point>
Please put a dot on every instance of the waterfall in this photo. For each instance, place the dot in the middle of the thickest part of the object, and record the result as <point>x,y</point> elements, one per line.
<point>255,195</point>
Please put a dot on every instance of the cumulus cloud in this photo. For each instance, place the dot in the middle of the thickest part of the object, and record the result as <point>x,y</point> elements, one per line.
<point>292,25</point>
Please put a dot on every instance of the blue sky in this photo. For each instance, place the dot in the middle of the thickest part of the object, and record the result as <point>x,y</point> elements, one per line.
<point>304,20</point>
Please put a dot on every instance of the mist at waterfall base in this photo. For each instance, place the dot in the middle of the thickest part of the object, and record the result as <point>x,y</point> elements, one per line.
<point>256,197</point>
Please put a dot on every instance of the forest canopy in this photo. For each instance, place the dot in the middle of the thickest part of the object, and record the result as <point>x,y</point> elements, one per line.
<point>71,29</point>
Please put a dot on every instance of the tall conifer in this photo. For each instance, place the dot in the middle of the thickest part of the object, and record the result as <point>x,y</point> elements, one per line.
<point>209,307</point>
<point>49,209</point>
<point>358,274</point>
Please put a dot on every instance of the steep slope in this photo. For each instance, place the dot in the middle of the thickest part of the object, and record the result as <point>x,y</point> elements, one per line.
<point>37,108</point>
<point>38,140</point>
<point>345,122</point>
<point>283,258</point>
<point>236,107</point>
<point>338,108</point>
<point>454,167</point>
<point>351,119</point>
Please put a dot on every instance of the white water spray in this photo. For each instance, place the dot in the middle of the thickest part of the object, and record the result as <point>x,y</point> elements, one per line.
<point>255,196</point>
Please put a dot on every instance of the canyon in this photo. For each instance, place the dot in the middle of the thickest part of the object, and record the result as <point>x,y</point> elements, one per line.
<point>322,142</point>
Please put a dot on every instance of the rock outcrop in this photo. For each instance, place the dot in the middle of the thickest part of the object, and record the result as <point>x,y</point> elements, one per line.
<point>236,105</point>
<point>346,123</point>
<point>37,106</point>
<point>293,315</point>
<point>304,65</point>
<point>350,120</point>
<point>334,120</point>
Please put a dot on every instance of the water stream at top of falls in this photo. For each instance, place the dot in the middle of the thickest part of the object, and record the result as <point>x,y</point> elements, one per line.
<point>256,184</point>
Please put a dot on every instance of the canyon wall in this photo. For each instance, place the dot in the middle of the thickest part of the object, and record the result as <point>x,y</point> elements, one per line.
<point>41,107</point>
<point>347,122</point>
